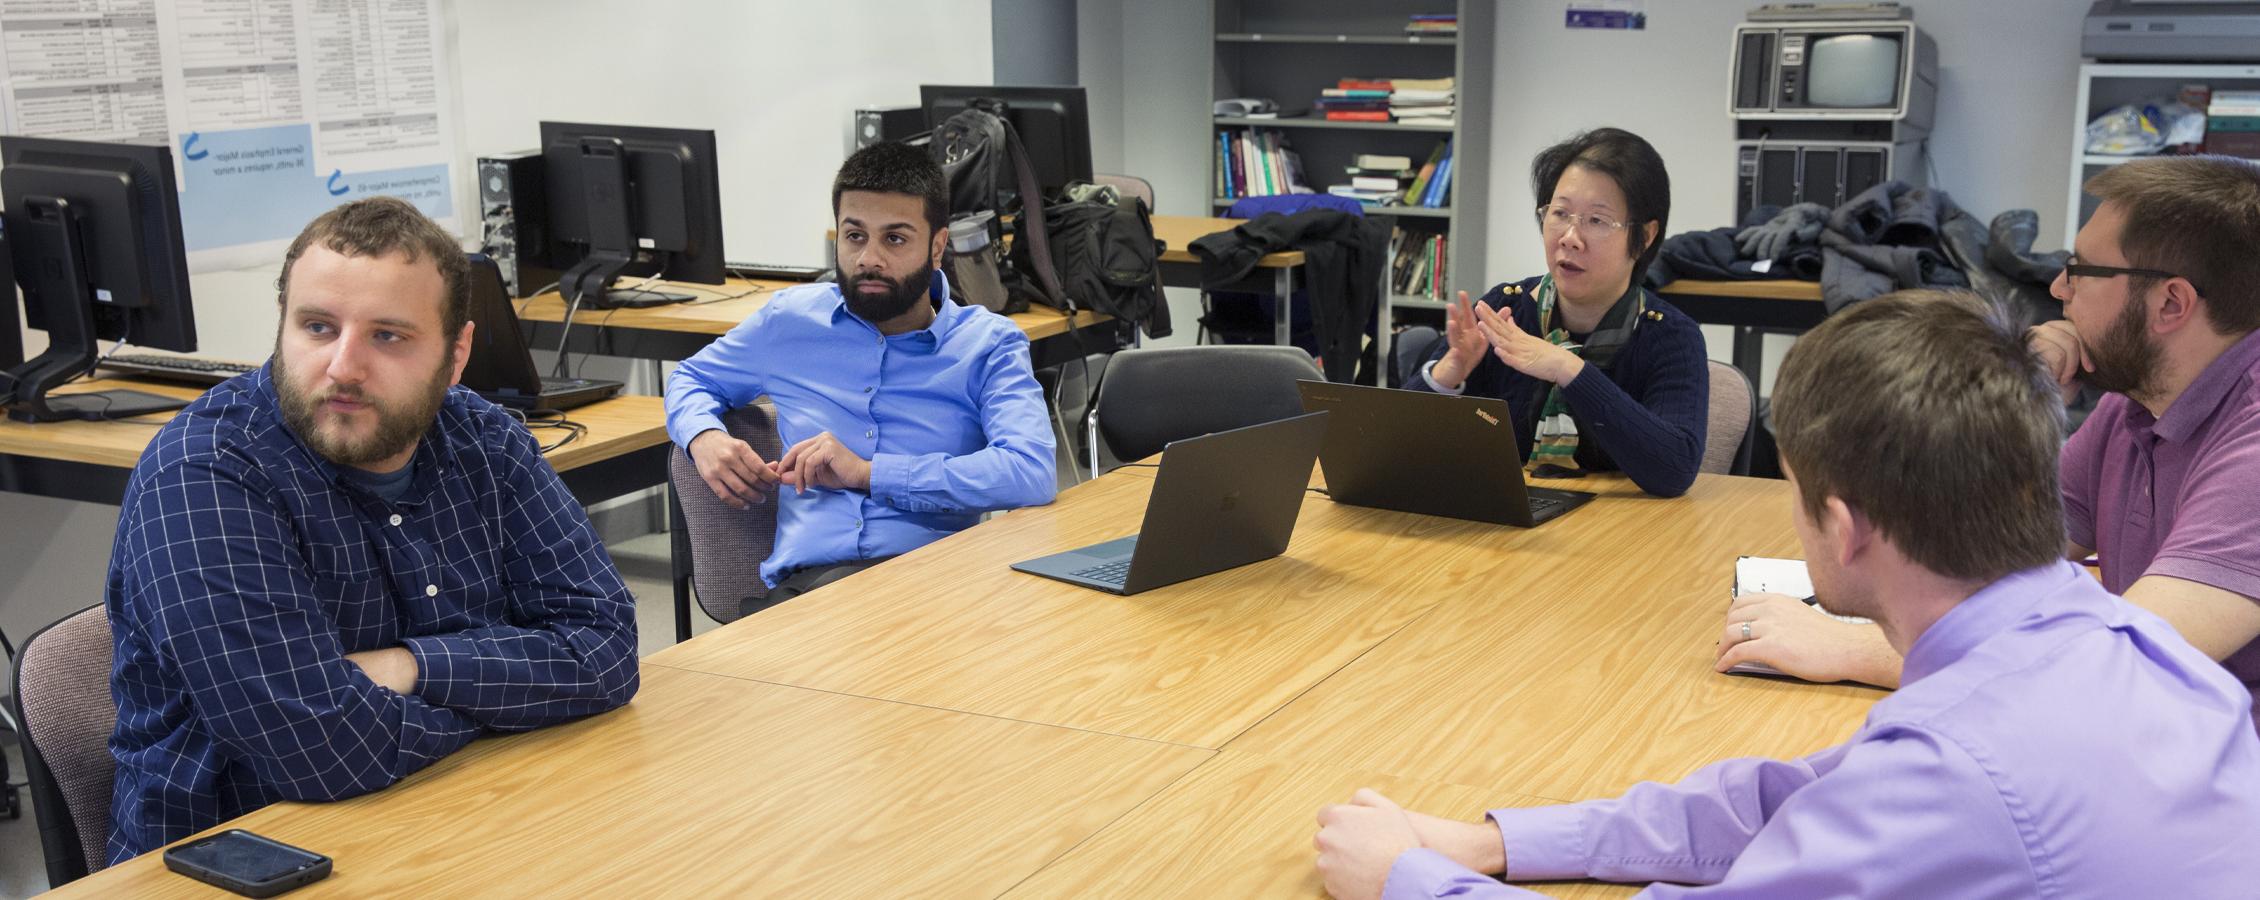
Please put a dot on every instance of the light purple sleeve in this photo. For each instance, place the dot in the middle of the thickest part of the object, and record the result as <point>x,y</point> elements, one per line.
<point>1426,874</point>
<point>2212,540</point>
<point>2080,470</point>
<point>1907,814</point>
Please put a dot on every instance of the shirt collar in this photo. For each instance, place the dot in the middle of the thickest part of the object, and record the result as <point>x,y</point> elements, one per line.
<point>2197,404</point>
<point>948,314</point>
<point>1982,615</point>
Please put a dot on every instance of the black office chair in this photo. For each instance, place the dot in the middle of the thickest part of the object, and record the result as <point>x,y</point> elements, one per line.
<point>1154,396</point>
<point>63,705</point>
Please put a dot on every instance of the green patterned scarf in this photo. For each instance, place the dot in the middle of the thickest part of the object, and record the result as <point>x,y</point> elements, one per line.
<point>1557,432</point>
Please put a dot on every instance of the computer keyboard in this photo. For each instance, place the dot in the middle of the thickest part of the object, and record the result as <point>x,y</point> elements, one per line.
<point>1539,505</point>
<point>1111,573</point>
<point>773,272</point>
<point>177,368</point>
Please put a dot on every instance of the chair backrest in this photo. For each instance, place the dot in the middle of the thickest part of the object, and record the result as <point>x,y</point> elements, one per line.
<point>64,707</point>
<point>1128,186</point>
<point>1408,351</point>
<point>1727,447</point>
<point>728,545</point>
<point>1153,396</point>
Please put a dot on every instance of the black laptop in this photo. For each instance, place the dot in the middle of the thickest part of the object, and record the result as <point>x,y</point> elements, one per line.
<point>501,368</point>
<point>1433,454</point>
<point>1220,500</point>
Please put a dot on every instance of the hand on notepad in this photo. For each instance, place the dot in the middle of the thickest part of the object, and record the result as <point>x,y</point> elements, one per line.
<point>1787,634</point>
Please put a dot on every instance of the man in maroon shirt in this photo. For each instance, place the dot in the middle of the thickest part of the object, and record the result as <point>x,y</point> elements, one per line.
<point>2162,311</point>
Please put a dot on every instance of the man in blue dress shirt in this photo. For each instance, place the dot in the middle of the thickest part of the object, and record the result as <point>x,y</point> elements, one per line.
<point>2048,739</point>
<point>905,415</point>
<point>335,570</point>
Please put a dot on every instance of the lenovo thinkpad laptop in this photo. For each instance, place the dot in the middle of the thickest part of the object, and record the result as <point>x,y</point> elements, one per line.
<point>501,368</point>
<point>1220,500</point>
<point>1428,453</point>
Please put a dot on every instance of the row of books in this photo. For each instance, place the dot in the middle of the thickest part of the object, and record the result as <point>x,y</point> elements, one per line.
<point>1257,162</point>
<point>1433,23</point>
<point>1417,263</point>
<point>1377,180</point>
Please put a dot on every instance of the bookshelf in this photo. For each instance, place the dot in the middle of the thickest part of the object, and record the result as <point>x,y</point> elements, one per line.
<point>1291,50</point>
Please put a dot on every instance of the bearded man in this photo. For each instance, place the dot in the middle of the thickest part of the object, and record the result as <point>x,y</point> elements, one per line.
<point>905,414</point>
<point>339,568</point>
<point>2162,482</point>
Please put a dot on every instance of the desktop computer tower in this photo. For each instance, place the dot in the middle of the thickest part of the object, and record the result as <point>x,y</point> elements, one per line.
<point>893,123</point>
<point>514,217</point>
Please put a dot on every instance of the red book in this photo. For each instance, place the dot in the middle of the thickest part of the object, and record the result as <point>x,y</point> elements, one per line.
<point>1357,116</point>
<point>1363,84</point>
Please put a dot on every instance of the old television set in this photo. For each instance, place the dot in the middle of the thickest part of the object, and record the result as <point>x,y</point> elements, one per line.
<point>1875,71</point>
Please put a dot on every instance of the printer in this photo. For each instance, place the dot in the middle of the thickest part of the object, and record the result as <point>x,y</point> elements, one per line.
<point>2188,30</point>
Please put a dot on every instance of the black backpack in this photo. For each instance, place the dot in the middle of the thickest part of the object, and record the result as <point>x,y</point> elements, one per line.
<point>980,154</point>
<point>1103,253</point>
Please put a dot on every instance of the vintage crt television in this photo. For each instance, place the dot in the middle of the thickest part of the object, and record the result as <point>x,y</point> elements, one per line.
<point>1873,71</point>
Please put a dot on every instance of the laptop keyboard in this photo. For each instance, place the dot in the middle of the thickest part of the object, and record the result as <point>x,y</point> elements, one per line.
<point>1112,573</point>
<point>1542,505</point>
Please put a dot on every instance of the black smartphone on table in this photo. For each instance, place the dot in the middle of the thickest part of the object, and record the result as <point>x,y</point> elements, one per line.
<point>247,864</point>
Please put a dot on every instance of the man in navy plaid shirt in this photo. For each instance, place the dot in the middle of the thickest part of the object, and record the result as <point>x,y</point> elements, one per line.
<point>335,570</point>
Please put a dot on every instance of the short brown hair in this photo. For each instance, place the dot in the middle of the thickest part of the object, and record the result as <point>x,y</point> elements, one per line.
<point>1925,411</point>
<point>2197,217</point>
<point>382,226</point>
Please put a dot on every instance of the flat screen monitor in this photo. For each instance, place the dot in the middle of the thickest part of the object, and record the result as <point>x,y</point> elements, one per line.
<point>626,200</point>
<point>1054,124</point>
<point>1853,71</point>
<point>94,235</point>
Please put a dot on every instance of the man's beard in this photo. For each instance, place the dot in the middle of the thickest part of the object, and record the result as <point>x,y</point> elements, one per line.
<point>398,426</point>
<point>2126,360</point>
<point>900,295</point>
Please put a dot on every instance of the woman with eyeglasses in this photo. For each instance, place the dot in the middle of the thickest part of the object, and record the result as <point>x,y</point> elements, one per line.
<point>1600,373</point>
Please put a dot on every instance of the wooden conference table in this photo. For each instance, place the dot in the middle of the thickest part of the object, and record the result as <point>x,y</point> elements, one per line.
<point>941,726</point>
<point>625,449</point>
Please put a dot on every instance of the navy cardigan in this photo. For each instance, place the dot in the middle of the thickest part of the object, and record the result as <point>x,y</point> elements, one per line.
<point>1646,416</point>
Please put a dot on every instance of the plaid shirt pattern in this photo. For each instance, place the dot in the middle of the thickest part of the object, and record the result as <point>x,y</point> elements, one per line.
<point>245,568</point>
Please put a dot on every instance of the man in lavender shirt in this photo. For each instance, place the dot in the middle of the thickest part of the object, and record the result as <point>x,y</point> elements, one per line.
<point>2162,307</point>
<point>2050,740</point>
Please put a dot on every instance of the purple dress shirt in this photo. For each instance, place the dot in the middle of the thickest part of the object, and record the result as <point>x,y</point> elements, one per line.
<point>2177,495</point>
<point>2049,740</point>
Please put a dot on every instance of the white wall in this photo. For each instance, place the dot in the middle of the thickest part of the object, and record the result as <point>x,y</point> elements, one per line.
<point>775,79</point>
<point>2007,72</point>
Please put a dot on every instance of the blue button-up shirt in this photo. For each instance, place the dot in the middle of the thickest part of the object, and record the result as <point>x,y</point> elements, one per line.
<point>950,417</point>
<point>2049,740</point>
<point>246,567</point>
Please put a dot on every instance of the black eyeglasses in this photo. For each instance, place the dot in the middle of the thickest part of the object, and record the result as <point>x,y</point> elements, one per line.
<point>2083,270</point>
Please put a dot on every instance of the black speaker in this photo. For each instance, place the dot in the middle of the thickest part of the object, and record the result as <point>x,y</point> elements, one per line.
<point>893,123</point>
<point>514,217</point>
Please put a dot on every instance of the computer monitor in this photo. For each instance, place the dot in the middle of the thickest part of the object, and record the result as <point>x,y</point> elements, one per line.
<point>625,200</point>
<point>1054,124</point>
<point>94,235</point>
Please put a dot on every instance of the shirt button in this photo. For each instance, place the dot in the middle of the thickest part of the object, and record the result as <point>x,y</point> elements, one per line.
<point>431,590</point>
<point>396,520</point>
<point>870,431</point>
<point>867,390</point>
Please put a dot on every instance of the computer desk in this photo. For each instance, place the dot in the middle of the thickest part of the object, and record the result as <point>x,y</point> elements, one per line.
<point>1275,273</point>
<point>679,331</point>
<point>625,449</point>
<point>941,726</point>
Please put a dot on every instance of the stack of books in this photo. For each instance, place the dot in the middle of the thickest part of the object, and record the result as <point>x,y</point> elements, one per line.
<point>1376,180</point>
<point>1434,23</point>
<point>2232,124</point>
<point>1424,100</point>
<point>1256,162</point>
<point>1417,264</point>
<point>1432,185</point>
<point>1355,100</point>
